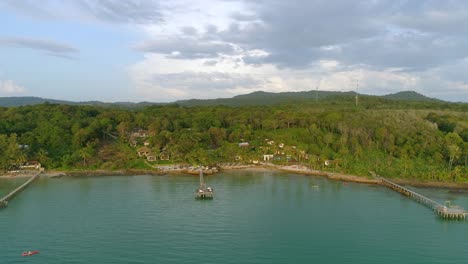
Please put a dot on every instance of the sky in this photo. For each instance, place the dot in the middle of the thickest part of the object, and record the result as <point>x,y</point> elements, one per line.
<point>162,51</point>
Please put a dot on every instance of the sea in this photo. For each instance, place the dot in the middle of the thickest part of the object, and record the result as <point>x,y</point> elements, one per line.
<point>256,216</point>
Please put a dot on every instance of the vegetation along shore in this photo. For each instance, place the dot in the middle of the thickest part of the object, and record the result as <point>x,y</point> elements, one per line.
<point>416,141</point>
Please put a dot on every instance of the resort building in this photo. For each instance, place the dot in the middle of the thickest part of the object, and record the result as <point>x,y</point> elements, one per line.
<point>143,152</point>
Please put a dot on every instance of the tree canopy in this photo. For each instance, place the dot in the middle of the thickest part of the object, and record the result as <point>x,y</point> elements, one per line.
<point>421,140</point>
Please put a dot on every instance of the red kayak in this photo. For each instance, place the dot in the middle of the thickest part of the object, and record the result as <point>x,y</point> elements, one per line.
<point>29,253</point>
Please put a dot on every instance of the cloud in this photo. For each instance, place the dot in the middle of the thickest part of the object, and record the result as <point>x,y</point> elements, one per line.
<point>8,87</point>
<point>410,35</point>
<point>128,11</point>
<point>294,35</point>
<point>439,17</point>
<point>409,51</point>
<point>185,47</point>
<point>49,47</point>
<point>191,84</point>
<point>111,11</point>
<point>202,81</point>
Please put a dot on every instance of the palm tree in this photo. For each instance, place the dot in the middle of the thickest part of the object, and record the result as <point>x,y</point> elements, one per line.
<point>85,153</point>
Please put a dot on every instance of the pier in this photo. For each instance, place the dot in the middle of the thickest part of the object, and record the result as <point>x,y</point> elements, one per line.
<point>203,192</point>
<point>443,211</point>
<point>4,201</point>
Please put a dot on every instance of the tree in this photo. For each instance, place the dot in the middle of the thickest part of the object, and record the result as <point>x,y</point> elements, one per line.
<point>42,156</point>
<point>217,135</point>
<point>3,152</point>
<point>123,128</point>
<point>453,142</point>
<point>86,153</point>
<point>14,155</point>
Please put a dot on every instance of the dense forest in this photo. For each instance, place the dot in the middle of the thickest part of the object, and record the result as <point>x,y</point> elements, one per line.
<point>425,140</point>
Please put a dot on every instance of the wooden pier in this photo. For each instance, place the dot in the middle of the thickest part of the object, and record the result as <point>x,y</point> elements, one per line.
<point>203,192</point>
<point>4,201</point>
<point>443,211</point>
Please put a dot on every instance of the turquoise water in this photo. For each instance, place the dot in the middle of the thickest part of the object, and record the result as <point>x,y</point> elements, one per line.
<point>256,217</point>
<point>9,184</point>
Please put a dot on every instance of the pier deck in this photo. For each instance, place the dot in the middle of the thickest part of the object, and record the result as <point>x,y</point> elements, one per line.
<point>455,213</point>
<point>4,201</point>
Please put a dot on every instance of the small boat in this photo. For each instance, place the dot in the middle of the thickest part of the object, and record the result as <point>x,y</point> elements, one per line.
<point>29,253</point>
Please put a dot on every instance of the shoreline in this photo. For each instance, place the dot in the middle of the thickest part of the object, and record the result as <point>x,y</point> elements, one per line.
<point>181,170</point>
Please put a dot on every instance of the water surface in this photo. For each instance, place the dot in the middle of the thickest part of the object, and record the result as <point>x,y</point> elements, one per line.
<point>256,217</point>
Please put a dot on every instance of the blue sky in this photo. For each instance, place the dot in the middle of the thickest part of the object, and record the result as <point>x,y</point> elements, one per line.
<point>163,51</point>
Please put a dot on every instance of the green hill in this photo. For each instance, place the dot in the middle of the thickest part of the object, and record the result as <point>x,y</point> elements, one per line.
<point>410,96</point>
<point>252,99</point>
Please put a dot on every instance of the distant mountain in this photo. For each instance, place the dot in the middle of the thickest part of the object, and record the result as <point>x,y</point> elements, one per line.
<point>265,98</point>
<point>255,98</point>
<point>410,96</point>
<point>30,100</point>
<point>19,101</point>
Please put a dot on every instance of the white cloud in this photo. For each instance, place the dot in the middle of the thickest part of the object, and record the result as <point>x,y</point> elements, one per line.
<point>8,87</point>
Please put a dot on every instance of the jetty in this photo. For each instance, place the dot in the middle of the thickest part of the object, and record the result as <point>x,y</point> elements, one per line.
<point>444,211</point>
<point>4,201</point>
<point>203,192</point>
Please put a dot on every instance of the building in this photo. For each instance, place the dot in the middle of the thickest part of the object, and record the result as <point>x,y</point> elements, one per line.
<point>140,133</point>
<point>268,157</point>
<point>244,144</point>
<point>164,156</point>
<point>31,165</point>
<point>151,157</point>
<point>143,152</point>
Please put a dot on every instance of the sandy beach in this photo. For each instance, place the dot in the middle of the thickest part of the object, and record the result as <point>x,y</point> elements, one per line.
<point>15,175</point>
<point>185,169</point>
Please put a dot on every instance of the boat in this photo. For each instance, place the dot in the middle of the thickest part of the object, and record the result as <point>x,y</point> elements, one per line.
<point>29,253</point>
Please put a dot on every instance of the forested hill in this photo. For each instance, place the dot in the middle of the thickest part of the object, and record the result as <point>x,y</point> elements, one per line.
<point>410,96</point>
<point>266,98</point>
<point>30,100</point>
<point>418,140</point>
<point>255,98</point>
